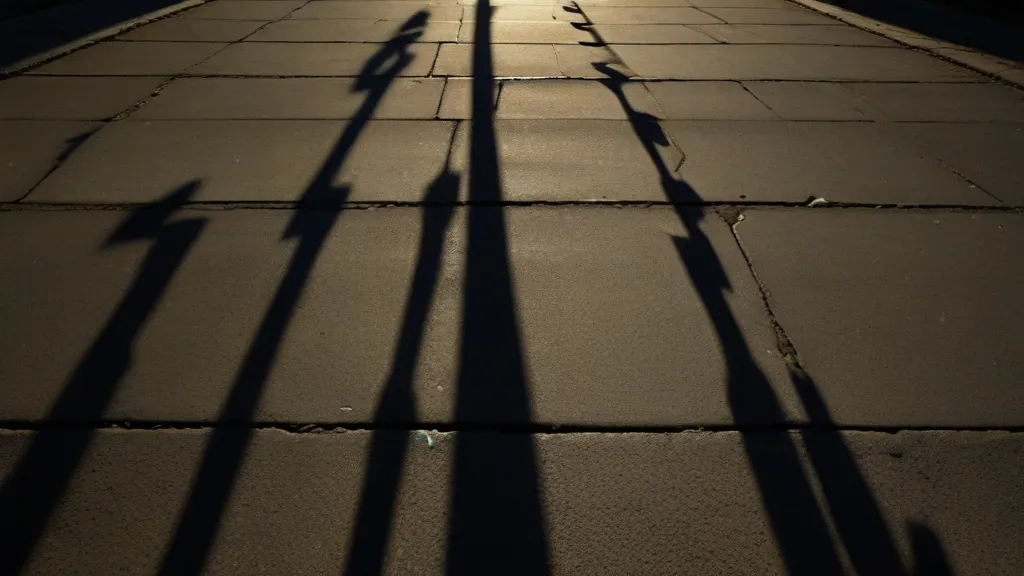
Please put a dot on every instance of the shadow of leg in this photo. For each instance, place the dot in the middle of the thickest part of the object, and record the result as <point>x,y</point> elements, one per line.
<point>386,458</point>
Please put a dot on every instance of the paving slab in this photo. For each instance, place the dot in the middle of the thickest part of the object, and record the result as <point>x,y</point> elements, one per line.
<point>29,97</point>
<point>988,154</point>
<point>307,59</point>
<point>375,10</point>
<point>603,157</point>
<point>262,10</point>
<point>809,100</point>
<point>140,161</point>
<point>457,100</point>
<point>289,98</point>
<point>904,319</point>
<point>350,30</point>
<point>515,60</point>
<point>944,102</point>
<point>528,33</point>
<point>548,13</point>
<point>30,149</point>
<point>652,34</point>
<point>773,62</point>
<point>579,61</point>
<point>191,30</point>
<point>708,101</point>
<point>612,329</point>
<point>571,99</point>
<point>789,34</point>
<point>684,502</point>
<point>132,59</point>
<point>670,15</point>
<point>770,16</point>
<point>853,162</point>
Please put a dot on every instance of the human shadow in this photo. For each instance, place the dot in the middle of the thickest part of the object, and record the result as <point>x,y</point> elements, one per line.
<point>318,211</point>
<point>798,523</point>
<point>496,524</point>
<point>388,447</point>
<point>41,476</point>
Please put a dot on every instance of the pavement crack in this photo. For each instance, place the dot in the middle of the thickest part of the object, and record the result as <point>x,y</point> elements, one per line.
<point>782,341</point>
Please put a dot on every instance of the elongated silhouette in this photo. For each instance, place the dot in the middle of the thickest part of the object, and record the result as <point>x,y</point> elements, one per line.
<point>798,523</point>
<point>388,448</point>
<point>496,522</point>
<point>312,224</point>
<point>41,476</point>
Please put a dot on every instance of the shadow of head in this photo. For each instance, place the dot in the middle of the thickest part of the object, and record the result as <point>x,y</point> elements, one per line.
<point>149,220</point>
<point>394,55</point>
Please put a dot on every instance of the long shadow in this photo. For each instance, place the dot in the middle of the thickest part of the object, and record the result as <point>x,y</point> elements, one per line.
<point>39,479</point>
<point>496,525</point>
<point>388,448</point>
<point>799,526</point>
<point>798,523</point>
<point>312,223</point>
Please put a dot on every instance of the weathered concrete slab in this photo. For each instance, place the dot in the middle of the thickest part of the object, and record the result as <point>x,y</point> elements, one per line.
<point>507,13</point>
<point>132,59</point>
<point>375,10</point>
<point>904,319</point>
<point>788,34</point>
<point>770,62</point>
<point>289,98</point>
<point>988,154</point>
<point>791,15</point>
<point>944,102</point>
<point>550,32</point>
<point>808,100</point>
<point>307,59</point>
<point>571,99</point>
<point>350,30</point>
<point>647,34</point>
<point>579,61</point>
<point>572,160</point>
<point>518,60</point>
<point>190,30</point>
<point>708,101</point>
<point>28,97</point>
<point>262,10</point>
<point>673,15</point>
<point>247,160</point>
<point>605,309</point>
<point>797,161</point>
<point>457,100</point>
<point>295,503</point>
<point>30,149</point>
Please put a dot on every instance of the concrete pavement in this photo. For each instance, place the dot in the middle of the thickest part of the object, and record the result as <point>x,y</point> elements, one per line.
<point>623,286</point>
